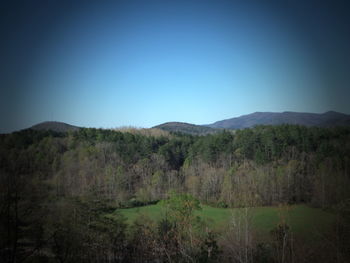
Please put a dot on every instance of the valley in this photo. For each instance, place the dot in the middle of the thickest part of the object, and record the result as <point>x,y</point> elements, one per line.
<point>255,194</point>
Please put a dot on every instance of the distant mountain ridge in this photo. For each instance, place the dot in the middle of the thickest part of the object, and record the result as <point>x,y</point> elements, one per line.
<point>54,126</point>
<point>327,119</point>
<point>184,127</point>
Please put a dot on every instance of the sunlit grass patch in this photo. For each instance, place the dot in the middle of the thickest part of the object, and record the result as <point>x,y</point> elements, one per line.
<point>303,220</point>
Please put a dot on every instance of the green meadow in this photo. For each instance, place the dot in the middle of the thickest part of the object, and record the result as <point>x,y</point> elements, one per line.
<point>303,220</point>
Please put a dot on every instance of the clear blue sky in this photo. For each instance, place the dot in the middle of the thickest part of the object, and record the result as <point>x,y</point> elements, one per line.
<point>142,63</point>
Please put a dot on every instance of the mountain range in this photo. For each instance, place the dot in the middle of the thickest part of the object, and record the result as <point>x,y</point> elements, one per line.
<point>54,126</point>
<point>327,119</point>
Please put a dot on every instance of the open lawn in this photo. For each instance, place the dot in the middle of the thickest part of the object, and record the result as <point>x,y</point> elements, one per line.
<point>303,220</point>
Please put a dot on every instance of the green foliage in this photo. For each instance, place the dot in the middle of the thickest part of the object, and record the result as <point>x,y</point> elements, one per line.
<point>181,206</point>
<point>210,147</point>
<point>80,230</point>
<point>80,176</point>
<point>175,151</point>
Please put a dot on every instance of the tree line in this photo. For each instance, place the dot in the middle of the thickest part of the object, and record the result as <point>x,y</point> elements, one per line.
<point>57,189</point>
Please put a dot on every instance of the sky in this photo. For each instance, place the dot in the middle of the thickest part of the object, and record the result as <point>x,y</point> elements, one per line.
<point>108,64</point>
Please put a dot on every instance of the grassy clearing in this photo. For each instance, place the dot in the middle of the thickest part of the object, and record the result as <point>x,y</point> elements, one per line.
<point>303,220</point>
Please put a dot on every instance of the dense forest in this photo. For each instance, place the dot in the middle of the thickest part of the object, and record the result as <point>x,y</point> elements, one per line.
<point>59,189</point>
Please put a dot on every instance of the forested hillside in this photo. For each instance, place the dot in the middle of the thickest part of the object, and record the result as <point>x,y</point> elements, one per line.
<point>54,126</point>
<point>327,119</point>
<point>55,187</point>
<point>186,128</point>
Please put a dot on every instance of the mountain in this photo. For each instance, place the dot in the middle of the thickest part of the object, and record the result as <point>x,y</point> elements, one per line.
<point>186,128</point>
<point>327,119</point>
<point>54,126</point>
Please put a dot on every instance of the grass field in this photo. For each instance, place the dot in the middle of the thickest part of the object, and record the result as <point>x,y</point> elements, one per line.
<point>303,220</point>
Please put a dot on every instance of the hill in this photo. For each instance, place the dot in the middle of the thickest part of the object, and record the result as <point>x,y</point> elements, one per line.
<point>54,126</point>
<point>185,128</point>
<point>327,119</point>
